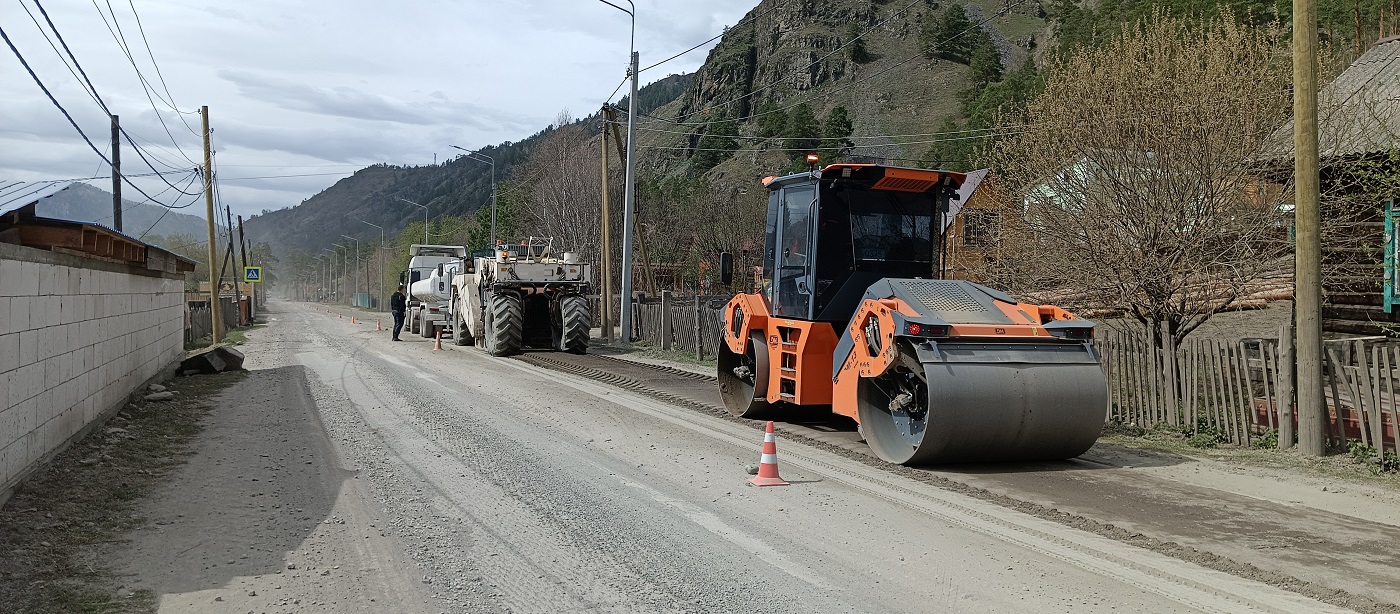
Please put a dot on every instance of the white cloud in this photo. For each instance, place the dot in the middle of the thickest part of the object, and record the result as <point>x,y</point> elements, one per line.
<point>301,87</point>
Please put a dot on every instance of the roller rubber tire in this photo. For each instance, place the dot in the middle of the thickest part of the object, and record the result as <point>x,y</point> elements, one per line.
<point>413,322</point>
<point>425,326</point>
<point>745,398</point>
<point>504,325</point>
<point>577,320</point>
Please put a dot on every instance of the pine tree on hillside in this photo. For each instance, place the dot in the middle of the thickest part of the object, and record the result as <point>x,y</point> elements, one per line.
<point>859,53</point>
<point>948,36</point>
<point>803,131</point>
<point>772,121</point>
<point>985,59</point>
<point>716,146</point>
<point>836,133</point>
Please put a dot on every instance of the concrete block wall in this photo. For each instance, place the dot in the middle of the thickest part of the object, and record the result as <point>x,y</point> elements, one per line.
<point>77,336</point>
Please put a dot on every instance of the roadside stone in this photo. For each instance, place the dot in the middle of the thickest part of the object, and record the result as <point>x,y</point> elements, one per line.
<point>156,388</point>
<point>160,396</point>
<point>751,469</point>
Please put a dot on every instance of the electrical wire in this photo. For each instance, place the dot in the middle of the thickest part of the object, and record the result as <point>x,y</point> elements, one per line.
<point>142,29</point>
<point>146,86</point>
<point>55,102</point>
<point>753,19</point>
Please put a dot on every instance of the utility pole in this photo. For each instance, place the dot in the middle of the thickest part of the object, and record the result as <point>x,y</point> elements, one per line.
<point>1307,276</point>
<point>647,275</point>
<point>116,173</point>
<point>237,278</point>
<point>628,200</point>
<point>243,247</point>
<point>606,242</point>
<point>216,335</point>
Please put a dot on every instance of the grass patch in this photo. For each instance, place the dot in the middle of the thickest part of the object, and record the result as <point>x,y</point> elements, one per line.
<point>1360,464</point>
<point>52,529</point>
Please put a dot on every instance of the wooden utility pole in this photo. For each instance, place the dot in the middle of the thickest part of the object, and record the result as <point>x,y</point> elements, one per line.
<point>237,277</point>
<point>243,249</point>
<point>606,242</point>
<point>217,334</point>
<point>116,174</point>
<point>1307,276</point>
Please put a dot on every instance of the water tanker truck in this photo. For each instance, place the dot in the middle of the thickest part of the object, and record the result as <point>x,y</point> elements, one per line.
<point>429,282</point>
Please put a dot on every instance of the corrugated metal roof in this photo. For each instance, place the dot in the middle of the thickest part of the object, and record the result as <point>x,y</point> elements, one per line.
<point>16,194</point>
<point>1359,111</point>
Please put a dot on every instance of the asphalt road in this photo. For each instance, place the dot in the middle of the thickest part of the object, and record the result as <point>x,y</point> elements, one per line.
<point>452,481</point>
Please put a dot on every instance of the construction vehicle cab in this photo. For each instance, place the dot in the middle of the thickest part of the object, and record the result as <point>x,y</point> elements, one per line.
<point>851,316</point>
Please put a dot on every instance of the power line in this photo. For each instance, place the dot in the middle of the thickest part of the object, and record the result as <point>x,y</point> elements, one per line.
<point>813,63</point>
<point>146,87</point>
<point>716,37</point>
<point>55,102</point>
<point>142,29</point>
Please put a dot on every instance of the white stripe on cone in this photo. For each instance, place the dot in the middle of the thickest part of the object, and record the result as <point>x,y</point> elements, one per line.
<point>768,459</point>
<point>769,438</point>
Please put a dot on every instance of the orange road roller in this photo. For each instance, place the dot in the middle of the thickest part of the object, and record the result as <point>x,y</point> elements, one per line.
<point>850,317</point>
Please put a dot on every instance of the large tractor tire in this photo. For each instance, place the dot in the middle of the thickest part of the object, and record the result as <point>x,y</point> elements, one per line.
<point>461,331</point>
<point>504,325</point>
<point>743,379</point>
<point>577,319</point>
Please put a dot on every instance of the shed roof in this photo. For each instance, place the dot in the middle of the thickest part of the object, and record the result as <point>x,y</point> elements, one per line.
<point>1359,111</point>
<point>19,224</point>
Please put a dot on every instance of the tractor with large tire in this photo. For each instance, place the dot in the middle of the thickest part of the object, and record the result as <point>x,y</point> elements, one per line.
<point>518,297</point>
<point>852,318</point>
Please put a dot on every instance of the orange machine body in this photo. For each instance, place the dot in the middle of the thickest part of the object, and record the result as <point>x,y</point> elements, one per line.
<point>798,352</point>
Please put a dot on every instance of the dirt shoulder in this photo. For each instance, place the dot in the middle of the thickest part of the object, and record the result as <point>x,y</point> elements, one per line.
<point>59,520</point>
<point>266,516</point>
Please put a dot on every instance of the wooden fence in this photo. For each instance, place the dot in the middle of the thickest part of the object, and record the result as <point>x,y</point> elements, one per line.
<point>200,323</point>
<point>1242,389</point>
<point>689,324</point>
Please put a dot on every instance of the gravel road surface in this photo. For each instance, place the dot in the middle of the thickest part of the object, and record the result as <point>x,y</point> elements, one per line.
<point>351,473</point>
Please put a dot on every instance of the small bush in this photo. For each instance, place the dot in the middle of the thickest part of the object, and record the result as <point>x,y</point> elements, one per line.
<point>1390,463</point>
<point>1267,441</point>
<point>1360,452</point>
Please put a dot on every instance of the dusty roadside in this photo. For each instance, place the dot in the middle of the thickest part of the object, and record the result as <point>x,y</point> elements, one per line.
<point>55,528</point>
<point>266,516</point>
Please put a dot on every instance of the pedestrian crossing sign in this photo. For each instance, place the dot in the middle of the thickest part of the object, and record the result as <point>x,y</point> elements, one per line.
<point>252,274</point>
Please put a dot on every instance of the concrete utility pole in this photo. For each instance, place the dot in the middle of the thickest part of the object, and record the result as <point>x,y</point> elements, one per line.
<point>1307,276</point>
<point>216,335</point>
<point>381,265</point>
<point>628,205</point>
<point>116,173</point>
<point>356,290</point>
<point>606,243</point>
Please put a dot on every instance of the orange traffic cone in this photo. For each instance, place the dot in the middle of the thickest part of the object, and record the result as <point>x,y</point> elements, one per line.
<point>352,320</point>
<point>437,341</point>
<point>376,325</point>
<point>768,462</point>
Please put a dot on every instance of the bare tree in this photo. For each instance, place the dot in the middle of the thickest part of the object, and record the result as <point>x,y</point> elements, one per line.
<point>561,189</point>
<point>1136,172</point>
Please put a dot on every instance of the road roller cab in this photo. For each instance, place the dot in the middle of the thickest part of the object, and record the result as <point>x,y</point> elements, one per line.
<point>849,317</point>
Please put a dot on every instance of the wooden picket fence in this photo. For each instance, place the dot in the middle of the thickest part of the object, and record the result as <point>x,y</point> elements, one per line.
<point>688,324</point>
<point>1243,389</point>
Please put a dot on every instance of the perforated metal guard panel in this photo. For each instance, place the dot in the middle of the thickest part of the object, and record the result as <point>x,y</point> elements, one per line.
<point>952,301</point>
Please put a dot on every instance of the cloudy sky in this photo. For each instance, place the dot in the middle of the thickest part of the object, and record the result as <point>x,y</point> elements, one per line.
<point>318,89</point>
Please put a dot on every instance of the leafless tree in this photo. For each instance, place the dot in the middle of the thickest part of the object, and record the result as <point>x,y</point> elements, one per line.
<point>1134,177</point>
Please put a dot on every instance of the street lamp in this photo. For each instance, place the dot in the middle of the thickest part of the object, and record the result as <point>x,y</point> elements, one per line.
<point>357,270</point>
<point>381,259</point>
<point>344,262</point>
<point>471,154</point>
<point>425,218</point>
<point>330,270</point>
<point>630,194</point>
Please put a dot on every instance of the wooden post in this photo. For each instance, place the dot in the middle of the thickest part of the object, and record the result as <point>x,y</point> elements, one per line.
<point>667,322</point>
<point>1169,374</point>
<point>216,335</point>
<point>1307,277</point>
<point>1377,435</point>
<point>605,244</point>
<point>1285,387</point>
<point>1390,387</point>
<point>699,334</point>
<point>117,173</point>
<point>1335,371</point>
